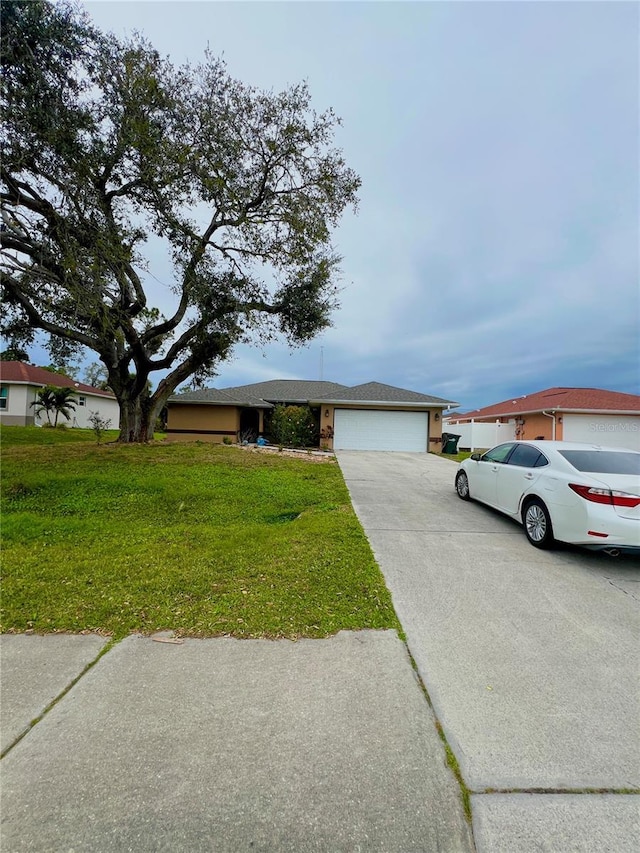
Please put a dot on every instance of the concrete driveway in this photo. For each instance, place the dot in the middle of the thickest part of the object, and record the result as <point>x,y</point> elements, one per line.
<point>530,657</point>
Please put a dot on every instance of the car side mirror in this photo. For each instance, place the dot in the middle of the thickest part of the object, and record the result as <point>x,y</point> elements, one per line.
<point>476,456</point>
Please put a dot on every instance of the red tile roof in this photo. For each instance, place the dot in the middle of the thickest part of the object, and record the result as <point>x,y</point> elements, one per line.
<point>18,371</point>
<point>561,399</point>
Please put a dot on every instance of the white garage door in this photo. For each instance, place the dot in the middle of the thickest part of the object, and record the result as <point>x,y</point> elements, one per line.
<point>614,430</point>
<point>367,429</point>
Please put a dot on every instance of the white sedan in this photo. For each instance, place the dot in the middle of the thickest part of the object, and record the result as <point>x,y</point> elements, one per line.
<point>583,494</point>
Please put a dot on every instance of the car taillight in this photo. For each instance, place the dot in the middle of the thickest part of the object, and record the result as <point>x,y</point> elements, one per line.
<point>605,496</point>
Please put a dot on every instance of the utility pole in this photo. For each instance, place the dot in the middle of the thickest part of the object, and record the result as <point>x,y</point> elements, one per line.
<point>321,362</point>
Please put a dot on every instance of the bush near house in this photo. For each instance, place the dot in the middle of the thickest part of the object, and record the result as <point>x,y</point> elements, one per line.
<point>294,426</point>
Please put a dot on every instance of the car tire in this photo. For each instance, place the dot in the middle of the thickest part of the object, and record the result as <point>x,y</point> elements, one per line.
<point>462,486</point>
<point>537,523</point>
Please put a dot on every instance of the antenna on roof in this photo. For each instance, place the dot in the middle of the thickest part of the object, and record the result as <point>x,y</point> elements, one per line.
<point>321,362</point>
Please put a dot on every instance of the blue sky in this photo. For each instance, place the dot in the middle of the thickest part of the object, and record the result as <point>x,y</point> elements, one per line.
<point>495,251</point>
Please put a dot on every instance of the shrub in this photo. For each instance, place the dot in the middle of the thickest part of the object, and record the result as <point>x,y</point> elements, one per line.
<point>99,424</point>
<point>293,426</point>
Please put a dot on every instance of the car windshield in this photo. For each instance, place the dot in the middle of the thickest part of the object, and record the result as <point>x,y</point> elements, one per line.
<point>603,461</point>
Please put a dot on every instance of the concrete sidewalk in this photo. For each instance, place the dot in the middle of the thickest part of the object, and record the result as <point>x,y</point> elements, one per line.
<point>222,745</point>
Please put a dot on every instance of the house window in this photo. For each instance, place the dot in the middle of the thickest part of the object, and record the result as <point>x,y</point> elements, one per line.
<point>82,401</point>
<point>4,396</point>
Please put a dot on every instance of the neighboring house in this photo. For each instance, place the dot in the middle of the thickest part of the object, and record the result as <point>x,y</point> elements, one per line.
<point>19,386</point>
<point>366,417</point>
<point>565,414</point>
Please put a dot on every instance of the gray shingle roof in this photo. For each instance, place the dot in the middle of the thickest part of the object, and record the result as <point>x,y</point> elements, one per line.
<point>264,394</point>
<point>377,392</point>
<point>217,397</point>
<point>287,390</point>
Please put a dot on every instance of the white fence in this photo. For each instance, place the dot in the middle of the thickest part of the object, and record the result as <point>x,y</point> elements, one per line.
<point>475,436</point>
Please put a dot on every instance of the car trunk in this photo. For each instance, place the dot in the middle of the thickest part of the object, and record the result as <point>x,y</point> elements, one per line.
<point>627,483</point>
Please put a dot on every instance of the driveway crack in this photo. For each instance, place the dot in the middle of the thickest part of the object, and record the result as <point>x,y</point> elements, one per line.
<point>622,589</point>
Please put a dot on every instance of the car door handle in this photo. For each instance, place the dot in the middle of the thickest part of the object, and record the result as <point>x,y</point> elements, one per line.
<point>528,476</point>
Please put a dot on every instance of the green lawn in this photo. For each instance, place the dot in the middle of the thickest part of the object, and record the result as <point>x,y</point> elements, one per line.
<point>455,457</point>
<point>200,539</point>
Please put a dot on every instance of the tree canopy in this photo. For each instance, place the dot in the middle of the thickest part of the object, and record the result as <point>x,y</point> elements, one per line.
<point>107,147</point>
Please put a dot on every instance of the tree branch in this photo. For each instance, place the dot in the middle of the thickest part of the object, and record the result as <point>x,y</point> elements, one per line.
<point>36,319</point>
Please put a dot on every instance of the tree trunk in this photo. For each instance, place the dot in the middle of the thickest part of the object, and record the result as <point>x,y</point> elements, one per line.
<point>138,418</point>
<point>134,422</point>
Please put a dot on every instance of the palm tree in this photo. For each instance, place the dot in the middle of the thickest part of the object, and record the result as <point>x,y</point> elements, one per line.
<point>45,402</point>
<point>51,399</point>
<point>63,403</point>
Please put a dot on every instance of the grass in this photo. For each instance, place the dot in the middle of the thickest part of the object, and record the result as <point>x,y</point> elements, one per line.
<point>200,539</point>
<point>452,761</point>
<point>47,436</point>
<point>455,457</point>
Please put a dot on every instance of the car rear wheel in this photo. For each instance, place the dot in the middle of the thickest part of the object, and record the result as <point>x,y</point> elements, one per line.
<point>462,486</point>
<point>537,524</point>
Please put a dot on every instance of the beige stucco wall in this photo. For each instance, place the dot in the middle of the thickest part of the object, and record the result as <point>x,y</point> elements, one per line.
<point>435,429</point>
<point>326,427</point>
<point>202,423</point>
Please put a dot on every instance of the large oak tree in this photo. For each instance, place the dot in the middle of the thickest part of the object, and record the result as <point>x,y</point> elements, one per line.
<point>108,147</point>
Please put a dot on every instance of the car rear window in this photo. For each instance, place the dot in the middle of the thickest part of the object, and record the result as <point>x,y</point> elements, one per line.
<point>603,461</point>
